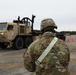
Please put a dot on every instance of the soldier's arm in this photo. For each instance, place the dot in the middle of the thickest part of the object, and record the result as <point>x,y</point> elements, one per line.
<point>63,54</point>
<point>28,60</point>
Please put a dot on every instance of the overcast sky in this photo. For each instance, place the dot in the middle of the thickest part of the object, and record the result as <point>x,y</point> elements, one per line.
<point>63,12</point>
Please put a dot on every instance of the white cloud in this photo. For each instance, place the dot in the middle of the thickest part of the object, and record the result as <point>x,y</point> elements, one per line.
<point>62,11</point>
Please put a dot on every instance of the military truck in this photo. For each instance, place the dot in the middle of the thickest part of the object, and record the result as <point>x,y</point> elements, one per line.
<point>18,34</point>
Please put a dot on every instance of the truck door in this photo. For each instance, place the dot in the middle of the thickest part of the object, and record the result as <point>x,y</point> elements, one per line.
<point>10,33</point>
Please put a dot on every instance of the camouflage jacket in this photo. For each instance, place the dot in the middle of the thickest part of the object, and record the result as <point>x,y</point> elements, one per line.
<point>56,61</point>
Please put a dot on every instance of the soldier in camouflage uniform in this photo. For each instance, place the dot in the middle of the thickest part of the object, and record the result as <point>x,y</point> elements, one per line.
<point>57,60</point>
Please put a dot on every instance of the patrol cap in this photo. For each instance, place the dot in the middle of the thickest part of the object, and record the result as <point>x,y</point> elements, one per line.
<point>48,23</point>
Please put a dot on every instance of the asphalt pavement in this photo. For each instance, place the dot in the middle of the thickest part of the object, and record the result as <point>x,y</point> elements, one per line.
<point>11,61</point>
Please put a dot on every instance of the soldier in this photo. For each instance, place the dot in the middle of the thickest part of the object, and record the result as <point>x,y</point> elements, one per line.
<point>45,58</point>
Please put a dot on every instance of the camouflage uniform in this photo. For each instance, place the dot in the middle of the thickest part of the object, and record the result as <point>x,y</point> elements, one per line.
<point>56,61</point>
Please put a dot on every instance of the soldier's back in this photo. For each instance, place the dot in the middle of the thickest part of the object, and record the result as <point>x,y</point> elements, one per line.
<point>56,61</point>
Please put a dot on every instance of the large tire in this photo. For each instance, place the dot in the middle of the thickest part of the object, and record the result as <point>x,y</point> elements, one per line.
<point>27,42</point>
<point>3,45</point>
<point>18,43</point>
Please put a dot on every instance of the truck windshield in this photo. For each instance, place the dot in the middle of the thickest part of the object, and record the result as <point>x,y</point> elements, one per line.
<point>2,26</point>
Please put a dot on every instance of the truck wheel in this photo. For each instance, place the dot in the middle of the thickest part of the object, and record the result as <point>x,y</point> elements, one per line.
<point>18,43</point>
<point>2,45</point>
<point>27,42</point>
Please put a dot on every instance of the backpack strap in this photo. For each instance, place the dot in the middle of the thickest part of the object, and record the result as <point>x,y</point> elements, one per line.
<point>46,51</point>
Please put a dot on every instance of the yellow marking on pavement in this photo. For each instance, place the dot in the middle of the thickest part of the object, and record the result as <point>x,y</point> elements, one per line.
<point>12,65</point>
<point>72,73</point>
<point>10,57</point>
<point>73,60</point>
<point>14,56</point>
<point>73,54</point>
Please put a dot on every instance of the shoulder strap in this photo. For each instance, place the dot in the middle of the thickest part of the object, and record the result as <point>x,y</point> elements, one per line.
<point>46,51</point>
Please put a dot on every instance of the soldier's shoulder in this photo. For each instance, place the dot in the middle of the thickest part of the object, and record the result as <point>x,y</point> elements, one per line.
<point>33,43</point>
<point>60,43</point>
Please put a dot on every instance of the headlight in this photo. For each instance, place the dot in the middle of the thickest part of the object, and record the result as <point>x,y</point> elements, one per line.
<point>1,33</point>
